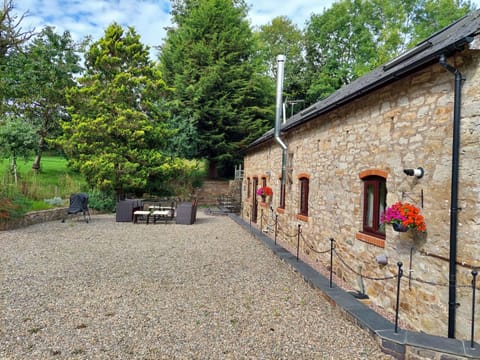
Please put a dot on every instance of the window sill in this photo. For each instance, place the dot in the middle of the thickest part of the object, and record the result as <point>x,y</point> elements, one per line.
<point>370,239</point>
<point>302,217</point>
<point>281,210</point>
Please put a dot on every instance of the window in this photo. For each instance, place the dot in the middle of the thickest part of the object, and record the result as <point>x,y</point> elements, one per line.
<point>264,181</point>
<point>374,203</point>
<point>249,187</point>
<point>304,183</point>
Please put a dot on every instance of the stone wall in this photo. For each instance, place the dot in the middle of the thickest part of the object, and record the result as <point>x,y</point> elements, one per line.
<point>406,124</point>
<point>211,191</point>
<point>34,217</point>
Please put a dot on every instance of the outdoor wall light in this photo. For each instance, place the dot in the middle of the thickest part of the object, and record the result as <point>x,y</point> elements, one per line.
<point>418,172</point>
<point>382,259</point>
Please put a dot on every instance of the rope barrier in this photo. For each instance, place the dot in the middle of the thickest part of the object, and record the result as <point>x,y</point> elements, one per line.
<point>309,246</point>
<point>284,233</point>
<point>432,283</point>
<point>360,274</point>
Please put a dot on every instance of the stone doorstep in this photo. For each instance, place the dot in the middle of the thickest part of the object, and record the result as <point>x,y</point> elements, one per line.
<point>400,344</point>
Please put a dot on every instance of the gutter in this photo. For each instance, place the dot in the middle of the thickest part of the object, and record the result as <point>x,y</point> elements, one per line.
<point>452,300</point>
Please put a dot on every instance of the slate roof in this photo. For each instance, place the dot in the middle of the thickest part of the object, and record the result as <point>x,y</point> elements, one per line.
<point>447,41</point>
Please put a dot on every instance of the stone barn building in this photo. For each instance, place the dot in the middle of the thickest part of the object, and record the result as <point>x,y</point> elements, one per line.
<point>408,131</point>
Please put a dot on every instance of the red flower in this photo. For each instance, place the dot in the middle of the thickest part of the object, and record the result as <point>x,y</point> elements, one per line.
<point>265,191</point>
<point>405,214</point>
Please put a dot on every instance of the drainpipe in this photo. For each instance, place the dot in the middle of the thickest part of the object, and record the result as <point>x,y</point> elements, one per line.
<point>278,115</point>
<point>452,301</point>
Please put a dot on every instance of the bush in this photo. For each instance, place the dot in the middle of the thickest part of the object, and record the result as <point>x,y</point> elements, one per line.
<point>101,200</point>
<point>13,206</point>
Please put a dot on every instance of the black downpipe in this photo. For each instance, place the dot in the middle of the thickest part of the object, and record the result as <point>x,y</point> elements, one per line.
<point>452,300</point>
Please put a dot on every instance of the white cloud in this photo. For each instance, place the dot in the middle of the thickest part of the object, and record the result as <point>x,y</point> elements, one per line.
<point>148,17</point>
<point>262,12</point>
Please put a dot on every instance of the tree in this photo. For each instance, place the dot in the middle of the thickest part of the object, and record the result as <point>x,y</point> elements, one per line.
<point>340,46</point>
<point>278,37</point>
<point>117,132</point>
<point>17,139</point>
<point>11,38</point>
<point>431,15</point>
<point>37,81</point>
<point>218,87</point>
<point>354,36</point>
<point>11,32</point>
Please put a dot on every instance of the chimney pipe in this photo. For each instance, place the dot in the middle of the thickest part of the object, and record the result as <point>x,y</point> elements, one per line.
<point>278,115</point>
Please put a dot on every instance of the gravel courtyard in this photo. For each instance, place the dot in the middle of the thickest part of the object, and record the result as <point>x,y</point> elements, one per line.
<point>108,290</point>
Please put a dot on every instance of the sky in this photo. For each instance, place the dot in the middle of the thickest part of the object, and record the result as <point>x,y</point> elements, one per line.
<point>148,17</point>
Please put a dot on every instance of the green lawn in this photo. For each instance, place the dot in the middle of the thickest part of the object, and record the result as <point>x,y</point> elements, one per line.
<point>53,180</point>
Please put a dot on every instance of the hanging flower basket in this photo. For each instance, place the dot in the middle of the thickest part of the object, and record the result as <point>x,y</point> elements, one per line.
<point>403,217</point>
<point>399,227</point>
<point>264,192</point>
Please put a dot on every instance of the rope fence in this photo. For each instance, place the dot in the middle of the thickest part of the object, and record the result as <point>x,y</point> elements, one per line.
<point>272,223</point>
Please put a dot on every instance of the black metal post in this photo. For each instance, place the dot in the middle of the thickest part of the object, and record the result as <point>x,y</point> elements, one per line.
<point>276,226</point>
<point>410,270</point>
<point>298,239</point>
<point>251,215</point>
<point>474,287</point>
<point>399,277</point>
<point>332,246</point>
<point>261,220</point>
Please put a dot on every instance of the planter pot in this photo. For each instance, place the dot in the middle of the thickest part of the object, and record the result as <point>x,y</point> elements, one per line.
<point>399,227</point>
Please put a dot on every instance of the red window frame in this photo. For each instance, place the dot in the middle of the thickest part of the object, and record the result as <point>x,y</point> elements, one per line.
<point>374,203</point>
<point>304,189</point>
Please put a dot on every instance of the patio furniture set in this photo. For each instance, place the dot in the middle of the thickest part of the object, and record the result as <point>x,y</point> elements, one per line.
<point>138,210</point>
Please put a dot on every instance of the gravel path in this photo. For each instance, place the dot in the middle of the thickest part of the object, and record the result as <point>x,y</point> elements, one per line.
<point>108,290</point>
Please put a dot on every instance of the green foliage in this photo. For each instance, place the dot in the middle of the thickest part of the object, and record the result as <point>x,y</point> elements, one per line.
<point>431,15</point>
<point>101,200</point>
<point>13,205</point>
<point>17,137</point>
<point>37,78</point>
<point>282,37</point>
<point>117,134</point>
<point>353,37</point>
<point>37,205</point>
<point>218,88</point>
<point>56,201</point>
<point>54,180</point>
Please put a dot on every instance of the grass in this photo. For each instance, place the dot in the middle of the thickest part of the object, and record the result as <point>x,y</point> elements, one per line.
<point>53,180</point>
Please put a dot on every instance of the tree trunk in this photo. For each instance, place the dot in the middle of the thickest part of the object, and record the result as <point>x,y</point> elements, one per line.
<point>14,166</point>
<point>38,157</point>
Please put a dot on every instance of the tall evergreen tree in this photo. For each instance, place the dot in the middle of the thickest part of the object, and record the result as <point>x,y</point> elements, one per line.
<point>219,89</point>
<point>117,132</point>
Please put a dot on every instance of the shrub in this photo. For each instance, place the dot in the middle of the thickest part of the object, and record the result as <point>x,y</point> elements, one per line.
<point>101,200</point>
<point>13,206</point>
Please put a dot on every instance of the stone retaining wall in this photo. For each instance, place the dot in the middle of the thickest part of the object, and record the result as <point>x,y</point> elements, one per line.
<point>34,217</point>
